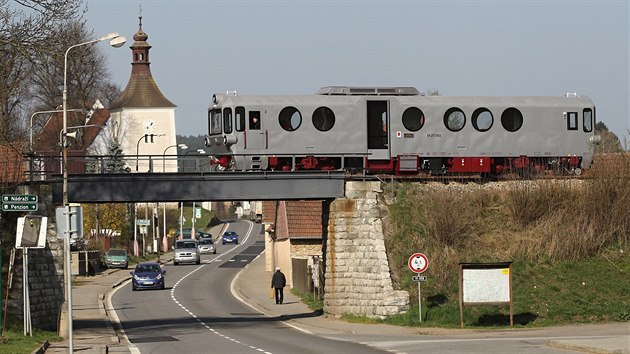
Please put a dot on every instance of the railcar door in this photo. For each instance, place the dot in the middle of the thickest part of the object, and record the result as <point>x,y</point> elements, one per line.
<point>255,138</point>
<point>378,130</point>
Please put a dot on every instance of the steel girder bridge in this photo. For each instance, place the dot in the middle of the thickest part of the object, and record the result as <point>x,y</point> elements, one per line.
<point>188,187</point>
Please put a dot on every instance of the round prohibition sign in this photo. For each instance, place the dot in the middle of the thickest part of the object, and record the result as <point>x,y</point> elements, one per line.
<point>418,262</point>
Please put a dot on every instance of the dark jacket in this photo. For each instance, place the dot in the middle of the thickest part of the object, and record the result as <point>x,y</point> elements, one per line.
<point>278,280</point>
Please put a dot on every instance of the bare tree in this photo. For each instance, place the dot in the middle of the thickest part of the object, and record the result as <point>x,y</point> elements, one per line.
<point>28,30</point>
<point>87,74</point>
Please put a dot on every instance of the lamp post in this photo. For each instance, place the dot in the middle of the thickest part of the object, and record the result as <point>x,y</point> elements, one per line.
<point>116,41</point>
<point>199,151</point>
<point>146,138</point>
<point>181,146</point>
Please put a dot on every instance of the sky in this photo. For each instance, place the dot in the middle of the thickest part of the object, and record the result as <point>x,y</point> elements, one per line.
<point>458,47</point>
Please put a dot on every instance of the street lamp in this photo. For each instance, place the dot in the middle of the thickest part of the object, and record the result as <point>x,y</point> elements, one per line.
<point>199,151</point>
<point>116,41</point>
<point>146,138</point>
<point>181,146</point>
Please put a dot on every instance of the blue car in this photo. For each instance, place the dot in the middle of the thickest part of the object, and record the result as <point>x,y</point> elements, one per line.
<point>230,237</point>
<point>147,275</point>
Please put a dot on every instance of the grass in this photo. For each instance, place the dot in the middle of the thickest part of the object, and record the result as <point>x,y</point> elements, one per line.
<point>14,340</point>
<point>315,303</point>
<point>568,243</point>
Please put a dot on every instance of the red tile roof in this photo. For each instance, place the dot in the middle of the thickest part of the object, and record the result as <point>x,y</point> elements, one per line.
<point>300,219</point>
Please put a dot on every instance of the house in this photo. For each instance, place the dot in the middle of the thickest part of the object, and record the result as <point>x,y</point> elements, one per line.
<point>293,239</point>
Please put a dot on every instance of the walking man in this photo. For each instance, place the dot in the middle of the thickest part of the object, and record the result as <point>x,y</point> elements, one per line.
<point>278,281</point>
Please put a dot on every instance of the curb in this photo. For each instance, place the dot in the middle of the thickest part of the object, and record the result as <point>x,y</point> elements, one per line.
<point>584,348</point>
<point>42,349</point>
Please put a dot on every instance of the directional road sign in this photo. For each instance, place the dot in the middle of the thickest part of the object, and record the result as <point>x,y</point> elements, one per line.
<point>19,202</point>
<point>143,222</point>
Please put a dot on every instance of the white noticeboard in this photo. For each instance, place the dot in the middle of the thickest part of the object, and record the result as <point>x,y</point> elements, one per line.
<point>486,285</point>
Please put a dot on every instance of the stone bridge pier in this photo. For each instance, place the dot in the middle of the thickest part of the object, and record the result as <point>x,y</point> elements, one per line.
<point>357,275</point>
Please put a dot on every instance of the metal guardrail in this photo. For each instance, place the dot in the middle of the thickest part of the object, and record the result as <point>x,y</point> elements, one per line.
<point>43,167</point>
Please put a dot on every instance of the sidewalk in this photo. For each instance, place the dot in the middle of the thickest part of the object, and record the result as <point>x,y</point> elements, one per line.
<point>94,333</point>
<point>92,330</point>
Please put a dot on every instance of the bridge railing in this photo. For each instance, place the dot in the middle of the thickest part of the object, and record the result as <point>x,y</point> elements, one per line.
<point>47,166</point>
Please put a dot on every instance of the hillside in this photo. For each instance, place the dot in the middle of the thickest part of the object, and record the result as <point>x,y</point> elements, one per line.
<point>568,241</point>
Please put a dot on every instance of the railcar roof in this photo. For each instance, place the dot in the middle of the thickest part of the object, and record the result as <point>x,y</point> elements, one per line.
<point>262,100</point>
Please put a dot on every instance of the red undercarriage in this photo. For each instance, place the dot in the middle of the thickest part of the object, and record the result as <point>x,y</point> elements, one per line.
<point>403,165</point>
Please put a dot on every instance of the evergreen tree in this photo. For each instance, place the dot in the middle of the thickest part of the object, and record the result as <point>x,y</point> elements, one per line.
<point>115,162</point>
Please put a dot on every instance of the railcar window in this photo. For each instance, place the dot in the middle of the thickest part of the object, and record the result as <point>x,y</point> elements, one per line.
<point>587,116</point>
<point>227,120</point>
<point>239,115</point>
<point>290,118</point>
<point>323,119</point>
<point>254,120</point>
<point>482,119</point>
<point>454,119</point>
<point>512,119</point>
<point>572,120</point>
<point>215,121</point>
<point>413,119</point>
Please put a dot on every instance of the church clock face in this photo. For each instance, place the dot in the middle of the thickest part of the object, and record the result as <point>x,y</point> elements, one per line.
<point>149,126</point>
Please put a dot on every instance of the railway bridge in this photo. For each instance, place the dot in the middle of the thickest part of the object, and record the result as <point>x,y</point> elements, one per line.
<point>355,263</point>
<point>89,181</point>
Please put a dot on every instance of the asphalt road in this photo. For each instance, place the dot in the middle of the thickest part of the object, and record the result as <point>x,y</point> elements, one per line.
<point>197,312</point>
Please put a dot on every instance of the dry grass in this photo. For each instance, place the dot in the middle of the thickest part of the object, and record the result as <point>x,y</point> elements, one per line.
<point>548,219</point>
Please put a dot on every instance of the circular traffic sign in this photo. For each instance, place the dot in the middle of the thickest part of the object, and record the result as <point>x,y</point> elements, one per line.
<point>418,262</point>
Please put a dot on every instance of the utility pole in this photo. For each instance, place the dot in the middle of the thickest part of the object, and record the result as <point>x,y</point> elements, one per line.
<point>156,231</point>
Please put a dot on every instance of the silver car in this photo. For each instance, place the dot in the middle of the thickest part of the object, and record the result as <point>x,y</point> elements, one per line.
<point>186,251</point>
<point>206,245</point>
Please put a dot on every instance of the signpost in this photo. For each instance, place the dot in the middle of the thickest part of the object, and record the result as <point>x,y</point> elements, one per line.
<point>418,263</point>
<point>19,202</point>
<point>143,222</point>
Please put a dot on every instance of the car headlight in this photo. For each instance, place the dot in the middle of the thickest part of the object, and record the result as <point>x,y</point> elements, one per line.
<point>135,277</point>
<point>159,277</point>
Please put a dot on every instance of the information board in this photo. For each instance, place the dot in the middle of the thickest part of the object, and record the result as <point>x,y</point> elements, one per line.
<point>486,285</point>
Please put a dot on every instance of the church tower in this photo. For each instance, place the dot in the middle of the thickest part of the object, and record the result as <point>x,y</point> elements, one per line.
<point>143,119</point>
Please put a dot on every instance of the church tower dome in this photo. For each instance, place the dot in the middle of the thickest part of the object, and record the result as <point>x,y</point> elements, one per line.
<point>141,90</point>
<point>142,119</point>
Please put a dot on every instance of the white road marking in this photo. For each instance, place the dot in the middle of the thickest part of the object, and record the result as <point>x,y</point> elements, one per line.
<point>205,325</point>
<point>134,350</point>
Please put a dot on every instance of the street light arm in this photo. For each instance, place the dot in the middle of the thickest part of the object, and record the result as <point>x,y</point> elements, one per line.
<point>181,146</point>
<point>45,112</point>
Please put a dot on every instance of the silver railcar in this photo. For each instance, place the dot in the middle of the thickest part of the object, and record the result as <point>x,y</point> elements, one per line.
<point>398,131</point>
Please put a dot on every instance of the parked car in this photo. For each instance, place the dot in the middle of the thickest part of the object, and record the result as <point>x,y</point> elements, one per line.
<point>206,245</point>
<point>187,232</point>
<point>186,251</point>
<point>230,237</point>
<point>116,258</point>
<point>147,275</point>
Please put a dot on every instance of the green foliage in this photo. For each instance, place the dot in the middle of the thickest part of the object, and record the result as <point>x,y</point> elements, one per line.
<point>315,303</point>
<point>116,163</point>
<point>14,340</point>
<point>201,223</point>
